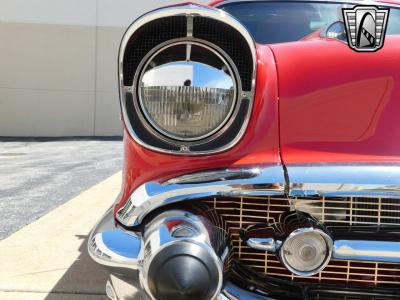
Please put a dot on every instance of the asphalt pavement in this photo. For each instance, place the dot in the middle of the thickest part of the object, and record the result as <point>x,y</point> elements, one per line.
<point>38,175</point>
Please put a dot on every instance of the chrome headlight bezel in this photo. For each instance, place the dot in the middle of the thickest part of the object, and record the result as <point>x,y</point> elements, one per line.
<point>187,22</point>
<point>153,127</point>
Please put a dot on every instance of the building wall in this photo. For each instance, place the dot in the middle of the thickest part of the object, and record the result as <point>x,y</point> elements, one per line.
<point>58,65</point>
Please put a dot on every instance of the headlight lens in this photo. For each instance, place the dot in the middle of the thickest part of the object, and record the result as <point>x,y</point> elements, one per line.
<point>187,91</point>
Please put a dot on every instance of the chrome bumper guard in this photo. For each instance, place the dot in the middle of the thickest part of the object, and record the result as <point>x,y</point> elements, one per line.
<point>122,253</point>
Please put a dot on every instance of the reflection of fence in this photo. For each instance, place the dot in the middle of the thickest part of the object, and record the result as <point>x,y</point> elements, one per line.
<point>176,107</point>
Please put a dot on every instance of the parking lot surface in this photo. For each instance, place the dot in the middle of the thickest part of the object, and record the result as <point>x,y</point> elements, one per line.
<point>48,258</point>
<point>52,193</point>
<point>37,175</point>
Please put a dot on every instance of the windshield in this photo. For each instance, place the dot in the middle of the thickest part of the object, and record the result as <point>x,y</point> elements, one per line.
<point>278,22</point>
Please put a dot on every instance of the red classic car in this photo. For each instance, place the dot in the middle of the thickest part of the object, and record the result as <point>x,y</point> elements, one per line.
<point>262,153</point>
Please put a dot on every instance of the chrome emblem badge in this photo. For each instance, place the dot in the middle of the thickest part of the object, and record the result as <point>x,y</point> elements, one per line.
<point>365,27</point>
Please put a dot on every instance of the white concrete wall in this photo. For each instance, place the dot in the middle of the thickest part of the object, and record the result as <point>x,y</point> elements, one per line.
<point>58,65</point>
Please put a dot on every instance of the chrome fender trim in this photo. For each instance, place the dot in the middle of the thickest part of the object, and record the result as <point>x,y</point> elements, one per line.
<point>345,180</point>
<point>327,180</point>
<point>263,181</point>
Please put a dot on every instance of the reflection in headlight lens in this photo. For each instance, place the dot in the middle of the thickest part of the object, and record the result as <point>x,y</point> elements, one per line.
<point>187,92</point>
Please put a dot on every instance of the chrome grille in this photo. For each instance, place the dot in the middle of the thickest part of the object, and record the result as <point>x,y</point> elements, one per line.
<point>238,213</point>
<point>352,210</point>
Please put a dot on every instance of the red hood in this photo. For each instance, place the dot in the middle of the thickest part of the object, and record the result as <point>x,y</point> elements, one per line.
<point>338,105</point>
<point>315,101</point>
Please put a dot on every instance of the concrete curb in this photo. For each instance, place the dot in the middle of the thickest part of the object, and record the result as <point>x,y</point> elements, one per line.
<point>48,259</point>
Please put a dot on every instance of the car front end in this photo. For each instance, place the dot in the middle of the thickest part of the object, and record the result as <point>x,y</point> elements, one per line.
<point>262,157</point>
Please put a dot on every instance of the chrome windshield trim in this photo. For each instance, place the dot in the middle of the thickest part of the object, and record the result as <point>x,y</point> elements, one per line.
<point>188,10</point>
<point>262,181</point>
<point>350,2</point>
<point>350,180</point>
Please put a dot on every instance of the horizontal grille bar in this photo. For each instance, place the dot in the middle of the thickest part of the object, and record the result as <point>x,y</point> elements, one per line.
<point>238,213</point>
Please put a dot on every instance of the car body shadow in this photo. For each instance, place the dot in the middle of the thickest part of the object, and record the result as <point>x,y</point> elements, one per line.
<point>84,279</point>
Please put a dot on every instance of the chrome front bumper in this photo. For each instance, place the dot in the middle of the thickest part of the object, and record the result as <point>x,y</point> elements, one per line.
<point>114,247</point>
<point>121,250</point>
<point>129,288</point>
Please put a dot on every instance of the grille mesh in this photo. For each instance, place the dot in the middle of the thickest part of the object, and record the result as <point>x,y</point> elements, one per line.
<point>231,41</point>
<point>168,28</point>
<point>148,37</point>
<point>241,212</point>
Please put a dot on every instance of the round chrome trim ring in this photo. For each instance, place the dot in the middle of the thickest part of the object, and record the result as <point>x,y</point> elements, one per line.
<point>329,245</point>
<point>210,135</point>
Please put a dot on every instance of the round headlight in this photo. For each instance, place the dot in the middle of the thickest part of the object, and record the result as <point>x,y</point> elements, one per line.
<point>187,91</point>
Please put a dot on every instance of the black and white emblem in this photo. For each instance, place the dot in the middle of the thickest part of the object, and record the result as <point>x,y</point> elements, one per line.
<point>365,27</point>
